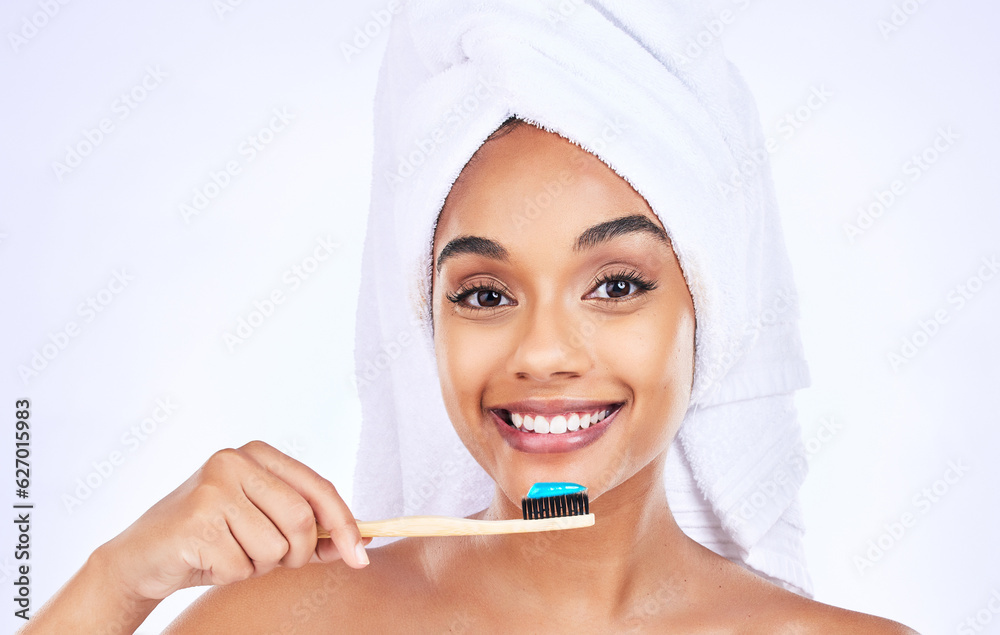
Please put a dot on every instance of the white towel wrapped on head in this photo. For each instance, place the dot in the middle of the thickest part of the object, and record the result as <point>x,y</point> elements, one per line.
<point>614,78</point>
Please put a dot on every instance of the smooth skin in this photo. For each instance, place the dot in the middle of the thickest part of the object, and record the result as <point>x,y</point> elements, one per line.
<point>580,297</point>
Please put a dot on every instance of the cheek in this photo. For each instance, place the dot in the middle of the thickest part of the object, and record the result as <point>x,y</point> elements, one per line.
<point>468,356</point>
<point>653,352</point>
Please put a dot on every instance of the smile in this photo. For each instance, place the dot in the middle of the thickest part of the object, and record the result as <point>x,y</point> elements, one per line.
<point>555,427</point>
<point>555,424</point>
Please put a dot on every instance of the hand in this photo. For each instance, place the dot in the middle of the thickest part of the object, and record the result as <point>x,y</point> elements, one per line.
<point>244,512</point>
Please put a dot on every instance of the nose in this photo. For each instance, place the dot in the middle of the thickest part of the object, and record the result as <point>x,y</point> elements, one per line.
<point>554,342</point>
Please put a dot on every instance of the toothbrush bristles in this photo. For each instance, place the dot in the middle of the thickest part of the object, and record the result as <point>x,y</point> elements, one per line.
<point>555,506</point>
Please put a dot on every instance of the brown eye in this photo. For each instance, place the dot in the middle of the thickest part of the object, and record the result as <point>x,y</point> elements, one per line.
<point>488,298</point>
<point>617,288</point>
<point>481,297</point>
<point>624,286</point>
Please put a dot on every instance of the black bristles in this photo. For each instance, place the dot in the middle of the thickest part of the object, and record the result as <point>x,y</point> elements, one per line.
<point>555,506</point>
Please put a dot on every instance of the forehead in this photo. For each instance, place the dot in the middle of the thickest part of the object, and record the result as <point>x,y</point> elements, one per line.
<point>530,183</point>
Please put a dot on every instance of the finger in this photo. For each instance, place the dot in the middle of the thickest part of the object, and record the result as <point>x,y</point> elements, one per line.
<point>218,558</point>
<point>257,535</point>
<point>330,510</point>
<point>326,550</point>
<point>276,502</point>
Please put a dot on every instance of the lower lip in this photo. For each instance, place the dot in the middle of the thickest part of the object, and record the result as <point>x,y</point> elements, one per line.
<point>535,443</point>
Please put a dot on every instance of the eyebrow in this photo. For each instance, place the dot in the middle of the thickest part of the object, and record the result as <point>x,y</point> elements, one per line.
<point>590,238</point>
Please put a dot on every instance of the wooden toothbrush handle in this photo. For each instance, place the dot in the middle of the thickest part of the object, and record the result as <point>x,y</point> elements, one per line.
<point>449,526</point>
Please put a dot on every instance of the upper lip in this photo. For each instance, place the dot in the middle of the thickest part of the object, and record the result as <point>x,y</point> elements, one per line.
<point>556,406</point>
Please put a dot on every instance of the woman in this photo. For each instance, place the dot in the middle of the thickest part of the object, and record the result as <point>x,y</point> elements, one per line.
<point>580,309</point>
<point>597,254</point>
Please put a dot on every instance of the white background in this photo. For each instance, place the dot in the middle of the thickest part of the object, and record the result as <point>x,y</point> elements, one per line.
<point>890,432</point>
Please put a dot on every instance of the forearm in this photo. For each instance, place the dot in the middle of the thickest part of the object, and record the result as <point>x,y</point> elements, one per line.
<point>92,601</point>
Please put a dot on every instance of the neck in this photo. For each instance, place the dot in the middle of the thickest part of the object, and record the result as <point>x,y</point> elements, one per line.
<point>634,545</point>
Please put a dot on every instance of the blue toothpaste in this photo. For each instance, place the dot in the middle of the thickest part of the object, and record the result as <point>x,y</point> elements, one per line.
<point>543,490</point>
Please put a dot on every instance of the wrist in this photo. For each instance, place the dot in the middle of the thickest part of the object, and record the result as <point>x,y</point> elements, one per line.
<point>95,599</point>
<point>104,566</point>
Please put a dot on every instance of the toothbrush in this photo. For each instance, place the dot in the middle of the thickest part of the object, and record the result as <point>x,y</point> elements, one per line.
<point>547,507</point>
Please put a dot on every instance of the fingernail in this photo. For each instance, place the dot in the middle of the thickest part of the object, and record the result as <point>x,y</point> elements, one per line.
<point>359,551</point>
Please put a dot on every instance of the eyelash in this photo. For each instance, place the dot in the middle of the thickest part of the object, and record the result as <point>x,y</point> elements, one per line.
<point>631,276</point>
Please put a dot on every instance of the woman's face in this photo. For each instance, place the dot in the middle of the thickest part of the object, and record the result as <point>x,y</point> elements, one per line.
<point>558,304</point>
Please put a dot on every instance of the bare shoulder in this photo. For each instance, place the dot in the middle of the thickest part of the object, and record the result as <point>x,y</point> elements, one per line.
<point>815,617</point>
<point>777,610</point>
<point>311,599</point>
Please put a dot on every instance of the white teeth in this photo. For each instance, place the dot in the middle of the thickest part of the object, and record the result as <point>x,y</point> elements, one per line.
<point>541,425</point>
<point>573,423</point>
<point>558,425</point>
